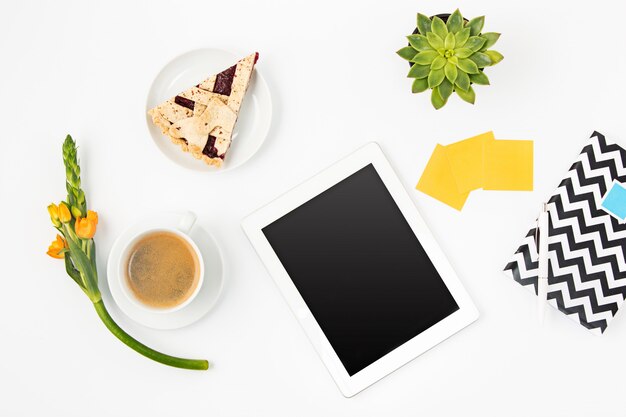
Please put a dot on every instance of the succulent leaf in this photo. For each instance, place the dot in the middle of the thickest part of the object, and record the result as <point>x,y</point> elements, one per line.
<point>425,58</point>
<point>438,63</point>
<point>480,78</point>
<point>463,53</point>
<point>461,37</point>
<point>495,56</point>
<point>436,99</point>
<point>419,85</point>
<point>451,72</point>
<point>423,24</point>
<point>462,80</point>
<point>492,38</point>
<point>419,42</point>
<point>455,22</point>
<point>406,53</point>
<point>445,89</point>
<point>468,95</point>
<point>468,66</point>
<point>419,71</point>
<point>435,78</point>
<point>434,40</point>
<point>481,60</point>
<point>476,25</point>
<point>475,43</point>
<point>449,41</point>
<point>439,27</point>
<point>453,59</point>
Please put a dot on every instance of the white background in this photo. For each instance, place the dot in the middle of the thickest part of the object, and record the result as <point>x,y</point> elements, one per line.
<point>337,84</point>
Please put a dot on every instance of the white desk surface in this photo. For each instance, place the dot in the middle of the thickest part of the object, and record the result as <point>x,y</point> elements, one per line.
<point>85,69</point>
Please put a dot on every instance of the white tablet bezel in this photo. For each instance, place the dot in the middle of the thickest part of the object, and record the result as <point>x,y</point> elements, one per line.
<point>254,223</point>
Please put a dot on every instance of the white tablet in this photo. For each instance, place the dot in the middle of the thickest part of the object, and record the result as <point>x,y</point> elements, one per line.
<point>360,269</point>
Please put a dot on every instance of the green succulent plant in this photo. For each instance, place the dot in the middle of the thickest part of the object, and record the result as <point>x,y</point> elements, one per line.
<point>450,56</point>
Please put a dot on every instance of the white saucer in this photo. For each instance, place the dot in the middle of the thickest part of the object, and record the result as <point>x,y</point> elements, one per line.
<point>204,301</point>
<point>188,70</point>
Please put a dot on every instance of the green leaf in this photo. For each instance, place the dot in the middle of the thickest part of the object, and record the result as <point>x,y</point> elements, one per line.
<point>495,56</point>
<point>445,89</point>
<point>454,60</point>
<point>455,22</point>
<point>450,71</point>
<point>463,53</point>
<point>425,58</point>
<point>462,81</point>
<point>419,42</point>
<point>423,24</point>
<point>468,95</point>
<point>435,78</point>
<point>73,272</point>
<point>442,51</point>
<point>476,25</point>
<point>492,38</point>
<point>481,60</point>
<point>434,40</point>
<point>438,63</point>
<point>475,43</point>
<point>419,71</point>
<point>480,78</point>
<point>82,264</point>
<point>449,41</point>
<point>407,53</point>
<point>419,85</point>
<point>436,99</point>
<point>439,27</point>
<point>461,37</point>
<point>468,66</point>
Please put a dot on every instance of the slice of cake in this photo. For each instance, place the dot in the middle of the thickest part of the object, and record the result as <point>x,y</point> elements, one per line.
<point>201,119</point>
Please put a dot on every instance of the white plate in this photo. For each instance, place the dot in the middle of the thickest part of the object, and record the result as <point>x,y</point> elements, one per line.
<point>188,70</point>
<point>204,301</point>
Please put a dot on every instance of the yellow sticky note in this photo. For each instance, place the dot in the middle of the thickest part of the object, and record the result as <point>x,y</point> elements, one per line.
<point>438,182</point>
<point>509,165</point>
<point>466,161</point>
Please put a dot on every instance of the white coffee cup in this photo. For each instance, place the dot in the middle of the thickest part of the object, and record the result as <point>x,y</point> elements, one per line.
<point>183,229</point>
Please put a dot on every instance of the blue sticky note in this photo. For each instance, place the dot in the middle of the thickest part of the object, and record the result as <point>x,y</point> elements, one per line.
<point>615,201</point>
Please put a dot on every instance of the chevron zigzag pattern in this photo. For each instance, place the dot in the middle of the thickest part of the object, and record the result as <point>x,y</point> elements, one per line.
<point>587,246</point>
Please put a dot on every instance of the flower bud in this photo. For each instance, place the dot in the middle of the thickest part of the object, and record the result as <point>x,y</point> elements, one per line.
<point>76,212</point>
<point>64,213</point>
<point>53,210</point>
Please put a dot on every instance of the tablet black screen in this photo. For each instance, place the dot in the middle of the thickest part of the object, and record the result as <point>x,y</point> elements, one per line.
<point>360,269</point>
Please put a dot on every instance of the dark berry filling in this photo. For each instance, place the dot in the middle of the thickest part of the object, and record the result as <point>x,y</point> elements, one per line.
<point>224,81</point>
<point>209,149</point>
<point>256,57</point>
<point>185,102</point>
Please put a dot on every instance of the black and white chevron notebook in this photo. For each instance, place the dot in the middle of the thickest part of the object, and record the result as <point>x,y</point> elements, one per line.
<point>586,245</point>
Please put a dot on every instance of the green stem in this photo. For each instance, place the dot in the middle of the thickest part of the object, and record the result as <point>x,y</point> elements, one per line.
<point>198,364</point>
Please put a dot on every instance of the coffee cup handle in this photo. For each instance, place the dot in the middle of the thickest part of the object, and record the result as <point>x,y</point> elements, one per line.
<point>186,222</point>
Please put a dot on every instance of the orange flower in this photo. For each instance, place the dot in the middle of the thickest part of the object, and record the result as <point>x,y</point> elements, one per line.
<point>85,227</point>
<point>64,213</point>
<point>56,247</point>
<point>93,216</point>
